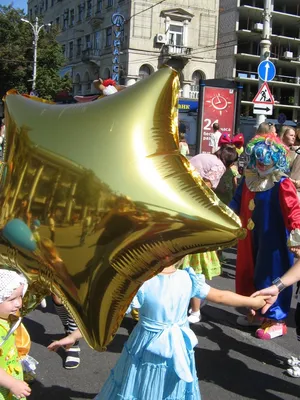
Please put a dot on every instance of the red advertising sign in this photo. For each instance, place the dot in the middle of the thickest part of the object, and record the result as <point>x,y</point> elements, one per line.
<point>218,105</point>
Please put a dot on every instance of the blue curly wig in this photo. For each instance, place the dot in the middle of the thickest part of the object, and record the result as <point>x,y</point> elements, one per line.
<point>269,150</point>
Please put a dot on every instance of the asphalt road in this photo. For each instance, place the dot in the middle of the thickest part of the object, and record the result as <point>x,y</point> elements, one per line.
<point>231,363</point>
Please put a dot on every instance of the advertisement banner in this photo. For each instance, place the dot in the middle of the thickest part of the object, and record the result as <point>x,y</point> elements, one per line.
<point>218,106</point>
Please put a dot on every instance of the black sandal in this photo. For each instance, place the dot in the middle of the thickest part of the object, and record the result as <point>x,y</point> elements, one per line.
<point>72,360</point>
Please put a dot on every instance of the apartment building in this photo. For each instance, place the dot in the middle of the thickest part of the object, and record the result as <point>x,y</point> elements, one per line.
<point>150,34</point>
<point>238,54</point>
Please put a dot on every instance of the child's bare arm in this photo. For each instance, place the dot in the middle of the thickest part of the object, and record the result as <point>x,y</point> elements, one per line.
<point>67,341</point>
<point>17,387</point>
<point>235,300</point>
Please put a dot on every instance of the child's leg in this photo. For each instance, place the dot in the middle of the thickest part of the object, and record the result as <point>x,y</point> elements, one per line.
<point>72,354</point>
<point>295,361</point>
<point>297,320</point>
<point>195,314</point>
<point>61,312</point>
<point>195,304</point>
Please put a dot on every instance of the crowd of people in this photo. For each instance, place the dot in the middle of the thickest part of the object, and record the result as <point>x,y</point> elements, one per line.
<point>160,348</point>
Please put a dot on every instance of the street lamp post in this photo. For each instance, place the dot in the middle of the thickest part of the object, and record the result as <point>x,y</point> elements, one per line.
<point>265,45</point>
<point>36,30</point>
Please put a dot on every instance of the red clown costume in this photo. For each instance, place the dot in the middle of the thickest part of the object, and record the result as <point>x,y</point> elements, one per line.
<point>268,206</point>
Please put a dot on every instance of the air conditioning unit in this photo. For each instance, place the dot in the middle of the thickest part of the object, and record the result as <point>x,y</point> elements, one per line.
<point>161,38</point>
<point>288,55</point>
<point>258,27</point>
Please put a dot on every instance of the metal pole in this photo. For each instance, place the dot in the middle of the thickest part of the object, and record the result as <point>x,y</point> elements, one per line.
<point>36,30</point>
<point>265,46</point>
<point>239,90</point>
<point>35,44</point>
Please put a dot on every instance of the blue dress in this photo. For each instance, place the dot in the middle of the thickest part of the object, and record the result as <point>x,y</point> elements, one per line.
<point>157,362</point>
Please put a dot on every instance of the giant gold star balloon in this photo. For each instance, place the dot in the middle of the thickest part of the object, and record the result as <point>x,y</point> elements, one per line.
<point>124,202</point>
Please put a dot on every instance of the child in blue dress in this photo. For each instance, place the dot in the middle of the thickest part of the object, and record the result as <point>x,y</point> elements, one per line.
<point>157,362</point>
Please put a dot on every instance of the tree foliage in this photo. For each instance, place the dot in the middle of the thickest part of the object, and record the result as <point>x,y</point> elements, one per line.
<point>16,56</point>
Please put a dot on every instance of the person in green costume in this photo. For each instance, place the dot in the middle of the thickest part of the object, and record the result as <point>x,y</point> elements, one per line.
<point>13,286</point>
<point>211,167</point>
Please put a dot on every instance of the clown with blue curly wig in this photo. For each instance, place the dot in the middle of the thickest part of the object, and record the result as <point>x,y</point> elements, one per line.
<point>267,203</point>
<point>266,154</point>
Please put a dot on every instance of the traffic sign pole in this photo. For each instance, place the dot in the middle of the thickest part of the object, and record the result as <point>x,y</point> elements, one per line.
<point>265,47</point>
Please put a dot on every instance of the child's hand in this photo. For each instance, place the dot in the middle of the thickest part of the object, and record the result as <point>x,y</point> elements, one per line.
<point>68,342</point>
<point>259,302</point>
<point>272,292</point>
<point>20,389</point>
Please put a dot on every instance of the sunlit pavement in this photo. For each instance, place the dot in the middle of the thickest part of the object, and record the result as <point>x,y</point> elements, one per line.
<point>231,363</point>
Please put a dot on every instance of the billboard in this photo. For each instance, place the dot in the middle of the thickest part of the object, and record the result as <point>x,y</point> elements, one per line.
<point>218,106</point>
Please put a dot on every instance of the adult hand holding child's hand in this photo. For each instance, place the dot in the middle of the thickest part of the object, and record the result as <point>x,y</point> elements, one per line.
<point>260,301</point>
<point>270,295</point>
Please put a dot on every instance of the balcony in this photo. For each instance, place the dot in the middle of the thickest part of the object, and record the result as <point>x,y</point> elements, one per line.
<point>280,80</point>
<point>96,20</point>
<point>91,55</point>
<point>172,50</point>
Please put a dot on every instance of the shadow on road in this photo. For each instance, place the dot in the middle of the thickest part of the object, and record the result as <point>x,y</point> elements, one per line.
<point>221,368</point>
<point>38,335</point>
<point>61,393</point>
<point>116,346</point>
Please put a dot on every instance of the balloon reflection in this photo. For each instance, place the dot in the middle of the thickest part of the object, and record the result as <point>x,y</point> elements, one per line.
<point>108,184</point>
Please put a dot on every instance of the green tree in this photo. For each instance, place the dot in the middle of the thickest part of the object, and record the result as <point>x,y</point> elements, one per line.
<point>16,57</point>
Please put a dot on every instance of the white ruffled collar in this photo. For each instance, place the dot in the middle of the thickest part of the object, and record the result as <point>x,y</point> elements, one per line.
<point>256,183</point>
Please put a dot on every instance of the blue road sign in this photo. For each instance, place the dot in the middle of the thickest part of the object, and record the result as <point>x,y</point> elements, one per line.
<point>266,71</point>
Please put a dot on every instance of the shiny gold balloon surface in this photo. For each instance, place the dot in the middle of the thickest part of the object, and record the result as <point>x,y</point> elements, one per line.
<point>125,202</point>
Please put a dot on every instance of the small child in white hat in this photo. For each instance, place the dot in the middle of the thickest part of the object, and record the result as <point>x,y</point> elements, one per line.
<point>13,286</point>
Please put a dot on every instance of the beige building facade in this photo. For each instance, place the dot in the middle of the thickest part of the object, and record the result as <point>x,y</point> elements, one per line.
<point>152,33</point>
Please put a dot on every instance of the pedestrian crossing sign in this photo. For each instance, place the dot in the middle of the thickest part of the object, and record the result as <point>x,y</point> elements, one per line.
<point>264,95</point>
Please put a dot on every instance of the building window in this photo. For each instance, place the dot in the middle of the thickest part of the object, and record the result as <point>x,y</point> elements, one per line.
<point>144,71</point>
<point>99,6</point>
<point>46,5</point>
<point>108,41</point>
<point>97,40</point>
<point>196,78</point>
<point>30,14</point>
<point>35,10</point>
<point>80,12</point>
<point>51,3</point>
<point>63,49</point>
<point>72,17</point>
<point>110,3</point>
<point>77,85</point>
<point>79,43</point>
<point>175,35</point>
<point>57,22</point>
<point>66,19</point>
<point>88,41</point>
<point>71,50</point>
<point>86,83</point>
<point>89,9</point>
<point>106,73</point>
